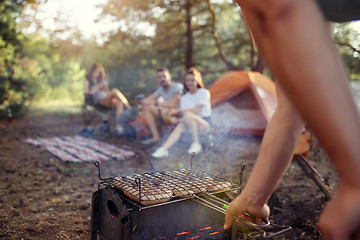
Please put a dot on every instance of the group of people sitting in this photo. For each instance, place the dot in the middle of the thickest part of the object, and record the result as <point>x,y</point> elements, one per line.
<point>186,106</point>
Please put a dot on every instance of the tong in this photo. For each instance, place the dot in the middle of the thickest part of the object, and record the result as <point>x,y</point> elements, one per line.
<point>220,205</point>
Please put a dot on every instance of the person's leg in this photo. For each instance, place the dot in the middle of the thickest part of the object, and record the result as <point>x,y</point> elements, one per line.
<point>151,114</point>
<point>195,125</point>
<point>189,121</point>
<point>113,99</point>
<point>171,140</point>
<point>174,136</point>
<point>120,101</point>
<point>118,95</point>
<point>119,107</point>
<point>278,144</point>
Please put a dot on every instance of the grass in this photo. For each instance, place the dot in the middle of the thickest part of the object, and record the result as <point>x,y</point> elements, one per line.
<point>58,107</point>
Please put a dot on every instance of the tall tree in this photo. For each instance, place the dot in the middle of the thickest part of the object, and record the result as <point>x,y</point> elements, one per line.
<point>11,46</point>
<point>184,31</point>
<point>189,62</point>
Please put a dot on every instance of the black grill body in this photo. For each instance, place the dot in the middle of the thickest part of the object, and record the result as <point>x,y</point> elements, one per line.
<point>116,217</point>
<point>109,216</point>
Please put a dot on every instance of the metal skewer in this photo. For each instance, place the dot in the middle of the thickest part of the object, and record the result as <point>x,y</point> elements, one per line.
<point>211,201</point>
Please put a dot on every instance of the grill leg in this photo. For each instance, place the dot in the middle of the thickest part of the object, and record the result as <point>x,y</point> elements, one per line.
<point>109,216</point>
<point>94,215</point>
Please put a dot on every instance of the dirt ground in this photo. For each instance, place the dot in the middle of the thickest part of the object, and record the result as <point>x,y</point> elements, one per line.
<point>42,197</point>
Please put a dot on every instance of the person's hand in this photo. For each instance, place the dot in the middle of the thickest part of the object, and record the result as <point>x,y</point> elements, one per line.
<point>176,113</point>
<point>340,219</point>
<point>146,103</point>
<point>239,206</point>
<point>140,98</point>
<point>104,83</point>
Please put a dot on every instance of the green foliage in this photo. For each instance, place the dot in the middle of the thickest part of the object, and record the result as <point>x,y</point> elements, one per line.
<point>32,68</point>
<point>134,55</point>
<point>349,47</point>
<point>12,83</point>
<point>152,34</point>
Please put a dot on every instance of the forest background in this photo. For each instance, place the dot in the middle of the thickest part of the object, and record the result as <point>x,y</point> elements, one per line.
<point>39,65</point>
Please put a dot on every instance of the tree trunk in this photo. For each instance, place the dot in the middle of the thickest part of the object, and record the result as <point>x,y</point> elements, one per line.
<point>216,37</point>
<point>189,62</point>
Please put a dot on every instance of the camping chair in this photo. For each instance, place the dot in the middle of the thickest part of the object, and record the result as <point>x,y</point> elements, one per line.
<point>94,114</point>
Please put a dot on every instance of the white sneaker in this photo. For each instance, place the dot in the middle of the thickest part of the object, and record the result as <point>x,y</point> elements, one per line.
<point>160,152</point>
<point>195,148</point>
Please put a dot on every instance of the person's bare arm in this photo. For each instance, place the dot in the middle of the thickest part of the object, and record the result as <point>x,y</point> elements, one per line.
<point>296,44</point>
<point>195,109</point>
<point>179,112</point>
<point>294,39</point>
<point>172,103</point>
<point>278,144</point>
<point>123,99</point>
<point>151,99</point>
<point>95,89</point>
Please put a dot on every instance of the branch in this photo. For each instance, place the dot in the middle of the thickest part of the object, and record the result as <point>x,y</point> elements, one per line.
<point>345,44</point>
<point>205,72</point>
<point>216,36</point>
<point>252,45</point>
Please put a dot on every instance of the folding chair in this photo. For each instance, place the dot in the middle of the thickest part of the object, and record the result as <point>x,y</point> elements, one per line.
<point>95,114</point>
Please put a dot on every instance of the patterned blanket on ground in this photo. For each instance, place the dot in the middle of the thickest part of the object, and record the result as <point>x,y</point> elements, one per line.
<point>80,149</point>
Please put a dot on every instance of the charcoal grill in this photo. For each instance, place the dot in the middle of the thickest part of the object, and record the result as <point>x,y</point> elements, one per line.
<point>161,205</point>
<point>180,204</point>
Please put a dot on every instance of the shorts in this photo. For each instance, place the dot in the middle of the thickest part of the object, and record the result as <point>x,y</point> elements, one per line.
<point>340,10</point>
<point>98,96</point>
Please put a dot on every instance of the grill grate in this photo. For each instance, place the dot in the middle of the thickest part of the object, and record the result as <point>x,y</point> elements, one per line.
<point>159,187</point>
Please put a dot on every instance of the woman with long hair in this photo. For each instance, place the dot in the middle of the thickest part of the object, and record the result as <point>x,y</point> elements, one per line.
<point>97,87</point>
<point>194,114</point>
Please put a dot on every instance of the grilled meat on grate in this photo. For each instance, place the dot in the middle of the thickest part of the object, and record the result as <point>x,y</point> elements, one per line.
<point>159,187</point>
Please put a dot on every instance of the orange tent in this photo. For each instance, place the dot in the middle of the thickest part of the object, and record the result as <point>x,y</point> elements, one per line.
<point>243,102</point>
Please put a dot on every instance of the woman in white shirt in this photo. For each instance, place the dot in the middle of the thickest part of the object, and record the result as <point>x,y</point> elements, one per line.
<point>194,114</point>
